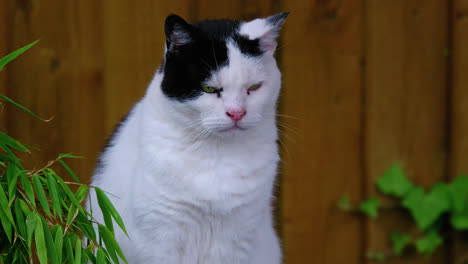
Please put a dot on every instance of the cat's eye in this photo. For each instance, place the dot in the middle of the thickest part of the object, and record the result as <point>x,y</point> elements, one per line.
<point>209,89</point>
<point>254,87</point>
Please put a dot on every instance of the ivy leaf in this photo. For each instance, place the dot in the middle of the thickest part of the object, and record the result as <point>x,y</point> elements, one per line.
<point>394,182</point>
<point>458,190</point>
<point>427,208</point>
<point>344,203</point>
<point>375,256</point>
<point>427,244</point>
<point>399,242</point>
<point>370,207</point>
<point>459,221</point>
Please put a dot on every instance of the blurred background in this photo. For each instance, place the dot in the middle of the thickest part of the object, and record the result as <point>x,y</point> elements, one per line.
<point>366,83</point>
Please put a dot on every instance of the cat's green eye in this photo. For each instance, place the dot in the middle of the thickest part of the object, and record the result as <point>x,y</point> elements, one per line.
<point>209,89</point>
<point>254,87</point>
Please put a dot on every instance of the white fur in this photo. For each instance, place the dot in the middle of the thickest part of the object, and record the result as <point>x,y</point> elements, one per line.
<point>188,190</point>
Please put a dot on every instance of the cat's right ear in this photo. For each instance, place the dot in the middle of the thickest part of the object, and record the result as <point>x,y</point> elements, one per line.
<point>178,32</point>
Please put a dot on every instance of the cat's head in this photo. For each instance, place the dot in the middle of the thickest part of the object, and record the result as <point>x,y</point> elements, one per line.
<point>220,76</point>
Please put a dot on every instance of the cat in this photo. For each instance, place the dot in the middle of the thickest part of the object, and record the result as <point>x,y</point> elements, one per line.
<point>192,167</point>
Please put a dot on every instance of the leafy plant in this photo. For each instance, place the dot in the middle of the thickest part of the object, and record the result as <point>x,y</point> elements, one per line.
<point>428,209</point>
<point>40,215</point>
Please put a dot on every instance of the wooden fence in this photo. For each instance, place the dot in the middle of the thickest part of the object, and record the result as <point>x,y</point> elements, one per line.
<point>366,83</point>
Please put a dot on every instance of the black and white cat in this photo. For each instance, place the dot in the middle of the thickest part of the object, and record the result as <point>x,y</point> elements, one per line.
<point>194,163</point>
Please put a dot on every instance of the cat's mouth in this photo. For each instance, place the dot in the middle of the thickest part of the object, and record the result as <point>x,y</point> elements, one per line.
<point>234,127</point>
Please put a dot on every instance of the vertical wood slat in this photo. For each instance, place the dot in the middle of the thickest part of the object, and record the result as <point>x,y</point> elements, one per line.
<point>58,78</point>
<point>134,39</point>
<point>321,73</point>
<point>459,107</point>
<point>3,52</point>
<point>405,103</point>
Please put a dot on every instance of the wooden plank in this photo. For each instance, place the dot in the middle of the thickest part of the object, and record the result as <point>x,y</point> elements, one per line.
<point>233,9</point>
<point>81,112</point>
<point>322,92</point>
<point>459,107</point>
<point>405,103</point>
<point>58,78</point>
<point>134,39</point>
<point>3,51</point>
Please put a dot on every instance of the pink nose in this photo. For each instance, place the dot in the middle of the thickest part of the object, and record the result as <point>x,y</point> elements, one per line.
<point>236,114</point>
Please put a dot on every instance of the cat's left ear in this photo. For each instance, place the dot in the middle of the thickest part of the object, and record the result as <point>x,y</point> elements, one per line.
<point>266,30</point>
<point>178,32</point>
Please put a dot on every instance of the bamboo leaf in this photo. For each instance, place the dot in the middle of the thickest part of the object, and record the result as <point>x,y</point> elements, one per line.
<point>100,256</point>
<point>68,248</point>
<point>106,205</point>
<point>6,224</point>
<point>78,252</point>
<point>14,54</point>
<point>28,189</point>
<point>59,243</point>
<point>40,241</point>
<point>111,244</point>
<point>52,185</point>
<point>70,171</point>
<point>50,246</point>
<point>31,226</point>
<point>12,174</point>
<point>41,195</point>
<point>5,206</point>
<point>20,220</point>
<point>21,107</point>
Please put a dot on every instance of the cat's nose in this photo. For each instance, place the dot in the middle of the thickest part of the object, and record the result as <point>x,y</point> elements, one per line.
<point>236,114</point>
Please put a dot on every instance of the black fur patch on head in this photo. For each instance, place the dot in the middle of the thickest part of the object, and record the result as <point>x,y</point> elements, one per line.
<point>195,51</point>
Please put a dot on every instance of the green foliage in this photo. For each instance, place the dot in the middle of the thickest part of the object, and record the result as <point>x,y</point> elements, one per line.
<point>370,207</point>
<point>399,242</point>
<point>394,182</point>
<point>40,215</point>
<point>441,209</point>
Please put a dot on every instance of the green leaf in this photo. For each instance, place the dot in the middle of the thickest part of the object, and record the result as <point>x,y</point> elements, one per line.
<point>399,242</point>
<point>458,190</point>
<point>100,256</point>
<point>20,107</point>
<point>6,224</point>
<point>31,226</point>
<point>70,171</point>
<point>344,203</point>
<point>78,251</point>
<point>41,194</point>
<point>111,244</point>
<point>375,256</point>
<point>59,243</point>
<point>28,189</point>
<point>106,205</point>
<point>5,206</point>
<point>52,185</point>
<point>81,192</point>
<point>20,220</point>
<point>90,255</point>
<point>427,244</point>
<point>459,220</point>
<point>68,192</point>
<point>12,176</point>
<point>68,248</point>
<point>14,54</point>
<point>50,246</point>
<point>40,241</point>
<point>427,208</point>
<point>71,213</point>
<point>394,182</point>
<point>370,207</point>
<point>8,141</point>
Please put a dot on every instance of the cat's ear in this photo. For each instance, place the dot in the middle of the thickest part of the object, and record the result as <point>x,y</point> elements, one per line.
<point>178,32</point>
<point>266,30</point>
